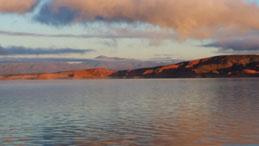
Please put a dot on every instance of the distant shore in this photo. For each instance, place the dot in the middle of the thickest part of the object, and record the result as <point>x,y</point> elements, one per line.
<point>231,66</point>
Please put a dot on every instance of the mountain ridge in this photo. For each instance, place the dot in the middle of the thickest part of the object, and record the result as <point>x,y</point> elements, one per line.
<point>212,67</point>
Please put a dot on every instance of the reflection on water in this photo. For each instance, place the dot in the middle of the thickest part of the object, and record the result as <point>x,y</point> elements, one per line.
<point>191,112</point>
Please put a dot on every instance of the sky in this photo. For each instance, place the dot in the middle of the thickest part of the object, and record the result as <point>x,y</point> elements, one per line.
<point>140,29</point>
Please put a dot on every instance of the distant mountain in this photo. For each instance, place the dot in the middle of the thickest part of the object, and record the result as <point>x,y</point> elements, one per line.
<point>111,58</point>
<point>219,66</point>
<point>49,65</point>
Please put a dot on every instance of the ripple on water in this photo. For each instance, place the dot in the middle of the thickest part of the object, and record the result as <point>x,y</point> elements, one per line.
<point>207,112</point>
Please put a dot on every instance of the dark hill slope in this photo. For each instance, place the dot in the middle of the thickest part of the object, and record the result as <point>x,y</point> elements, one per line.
<point>219,66</point>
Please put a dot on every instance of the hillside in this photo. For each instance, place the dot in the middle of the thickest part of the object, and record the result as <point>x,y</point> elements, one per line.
<point>83,74</point>
<point>213,67</point>
<point>219,66</point>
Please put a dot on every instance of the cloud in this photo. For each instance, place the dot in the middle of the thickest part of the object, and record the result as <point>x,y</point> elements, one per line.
<point>63,16</point>
<point>16,6</point>
<point>12,51</point>
<point>189,18</point>
<point>237,44</point>
<point>111,34</point>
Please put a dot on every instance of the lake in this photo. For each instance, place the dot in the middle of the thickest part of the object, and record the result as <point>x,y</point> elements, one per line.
<point>170,112</point>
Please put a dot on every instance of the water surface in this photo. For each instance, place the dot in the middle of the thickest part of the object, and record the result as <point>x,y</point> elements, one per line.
<point>181,112</point>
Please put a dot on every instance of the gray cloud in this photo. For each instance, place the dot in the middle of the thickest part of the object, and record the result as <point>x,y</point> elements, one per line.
<point>112,34</point>
<point>12,51</point>
<point>64,15</point>
<point>237,44</point>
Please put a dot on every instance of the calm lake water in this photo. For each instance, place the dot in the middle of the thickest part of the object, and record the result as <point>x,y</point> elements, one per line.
<point>181,112</point>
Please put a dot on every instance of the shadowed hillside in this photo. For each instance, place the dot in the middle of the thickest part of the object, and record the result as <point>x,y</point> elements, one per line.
<point>219,66</point>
